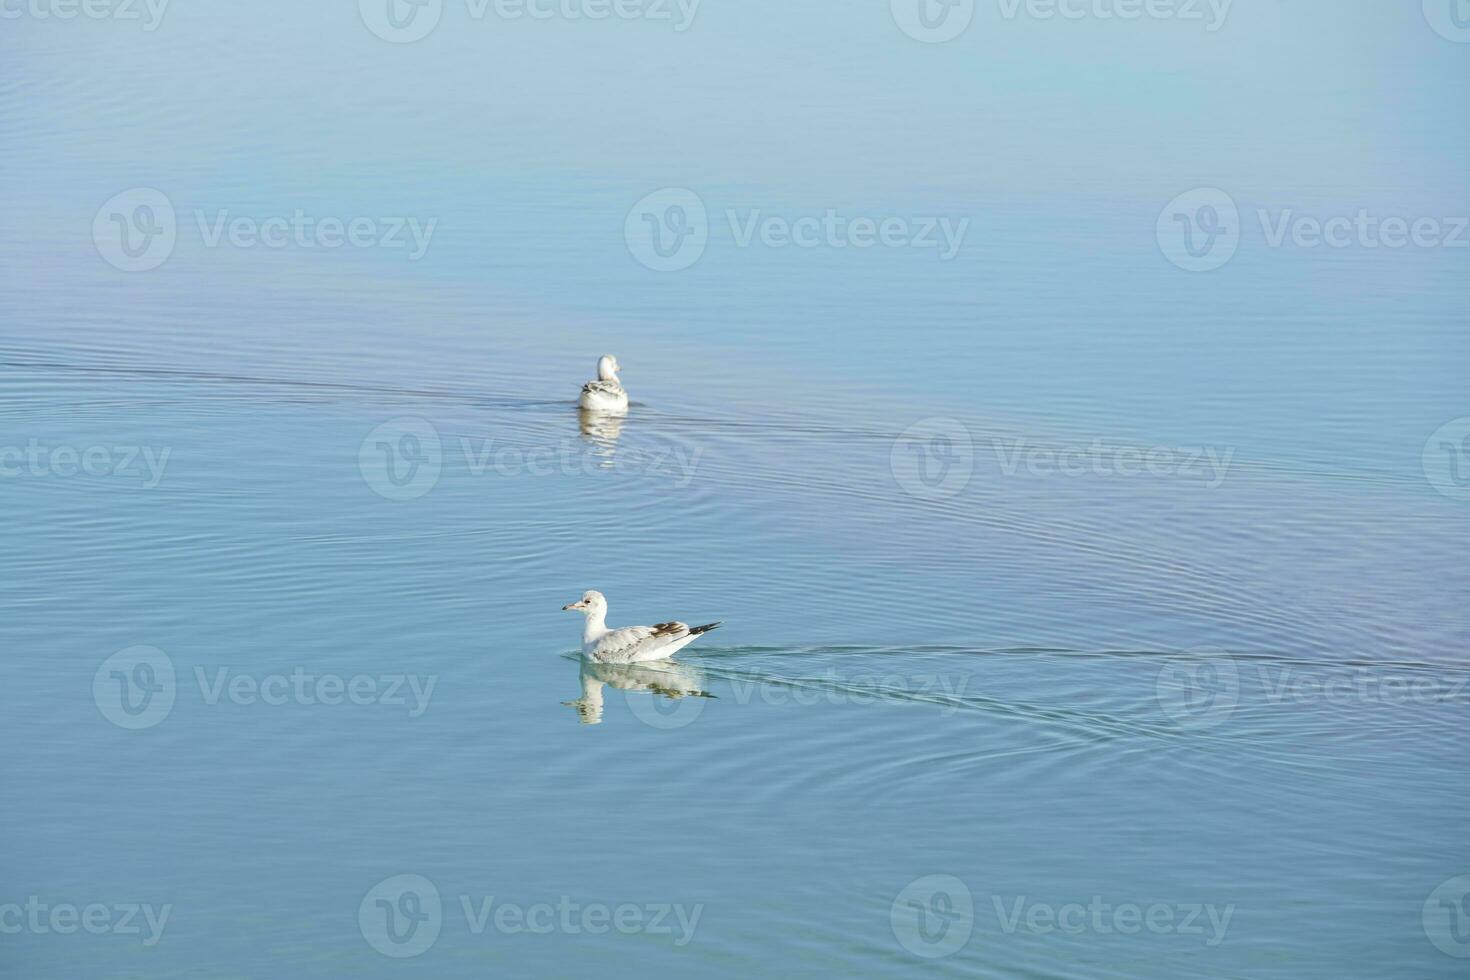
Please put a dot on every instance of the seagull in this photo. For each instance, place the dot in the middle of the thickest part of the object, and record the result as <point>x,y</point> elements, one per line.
<point>631,644</point>
<point>606,394</point>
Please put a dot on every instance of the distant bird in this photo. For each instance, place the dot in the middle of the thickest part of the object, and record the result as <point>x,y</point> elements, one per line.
<point>631,644</point>
<point>606,394</point>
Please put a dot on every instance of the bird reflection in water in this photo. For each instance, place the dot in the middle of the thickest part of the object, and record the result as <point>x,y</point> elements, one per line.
<point>665,678</point>
<point>602,430</point>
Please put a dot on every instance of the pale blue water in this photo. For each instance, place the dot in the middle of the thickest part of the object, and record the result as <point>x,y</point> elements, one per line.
<point>1204,720</point>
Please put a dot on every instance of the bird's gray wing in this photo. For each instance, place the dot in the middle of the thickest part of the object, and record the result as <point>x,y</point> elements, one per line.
<point>636,642</point>
<point>602,388</point>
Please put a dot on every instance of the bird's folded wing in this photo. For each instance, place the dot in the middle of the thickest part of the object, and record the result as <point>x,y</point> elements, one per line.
<point>601,388</point>
<point>631,641</point>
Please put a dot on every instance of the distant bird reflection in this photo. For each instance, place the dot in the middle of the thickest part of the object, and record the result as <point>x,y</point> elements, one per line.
<point>602,431</point>
<point>661,677</point>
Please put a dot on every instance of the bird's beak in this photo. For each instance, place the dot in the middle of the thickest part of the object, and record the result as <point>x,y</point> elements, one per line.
<point>571,605</point>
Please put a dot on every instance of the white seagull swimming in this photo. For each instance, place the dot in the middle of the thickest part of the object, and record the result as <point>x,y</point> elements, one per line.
<point>606,394</point>
<point>631,644</point>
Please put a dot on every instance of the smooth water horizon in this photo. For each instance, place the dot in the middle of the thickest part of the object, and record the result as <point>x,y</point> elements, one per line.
<point>1062,410</point>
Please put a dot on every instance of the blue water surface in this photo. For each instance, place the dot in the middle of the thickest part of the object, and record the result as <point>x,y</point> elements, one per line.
<point>1084,615</point>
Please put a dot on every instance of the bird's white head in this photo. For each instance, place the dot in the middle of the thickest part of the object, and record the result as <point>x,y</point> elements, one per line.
<point>608,368</point>
<point>592,603</point>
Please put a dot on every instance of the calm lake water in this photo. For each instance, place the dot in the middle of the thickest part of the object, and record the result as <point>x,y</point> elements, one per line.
<point>1085,615</point>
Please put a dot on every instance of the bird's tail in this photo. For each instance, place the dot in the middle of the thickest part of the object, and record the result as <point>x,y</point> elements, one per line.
<point>696,630</point>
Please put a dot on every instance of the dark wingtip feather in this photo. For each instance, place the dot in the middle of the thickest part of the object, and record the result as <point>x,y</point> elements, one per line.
<point>695,631</point>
